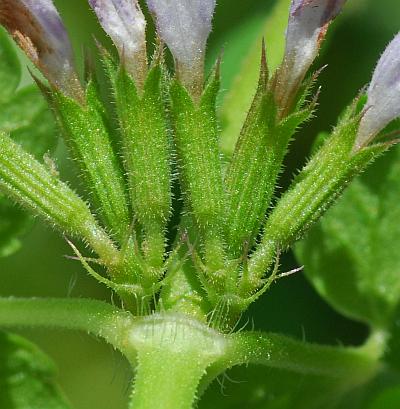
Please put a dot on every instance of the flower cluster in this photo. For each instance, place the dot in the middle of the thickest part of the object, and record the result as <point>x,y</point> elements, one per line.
<point>168,124</point>
<point>38,29</point>
<point>185,27</point>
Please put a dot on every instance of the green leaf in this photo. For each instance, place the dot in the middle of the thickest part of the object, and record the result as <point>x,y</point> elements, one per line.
<point>26,376</point>
<point>14,223</point>
<point>29,121</point>
<point>392,353</point>
<point>388,399</point>
<point>351,256</point>
<point>10,68</point>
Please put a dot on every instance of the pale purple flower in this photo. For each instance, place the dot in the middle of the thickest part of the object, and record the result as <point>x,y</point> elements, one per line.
<point>308,23</point>
<point>383,103</point>
<point>184,25</point>
<point>124,22</point>
<point>37,28</point>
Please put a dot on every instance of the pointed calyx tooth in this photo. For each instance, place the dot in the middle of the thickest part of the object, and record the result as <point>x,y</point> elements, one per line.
<point>307,27</point>
<point>184,25</point>
<point>37,28</point>
<point>383,104</point>
<point>124,22</point>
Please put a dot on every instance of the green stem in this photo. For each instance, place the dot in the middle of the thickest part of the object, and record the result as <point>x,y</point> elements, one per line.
<point>183,291</point>
<point>94,317</point>
<point>178,357</point>
<point>172,351</point>
<point>353,365</point>
<point>173,355</point>
<point>167,380</point>
<point>179,333</point>
<point>281,352</point>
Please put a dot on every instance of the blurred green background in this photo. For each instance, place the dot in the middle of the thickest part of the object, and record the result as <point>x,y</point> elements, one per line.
<point>91,373</point>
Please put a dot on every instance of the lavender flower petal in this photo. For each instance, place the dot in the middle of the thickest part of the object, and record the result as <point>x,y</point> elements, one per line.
<point>124,22</point>
<point>383,103</point>
<point>308,23</point>
<point>184,25</point>
<point>38,29</point>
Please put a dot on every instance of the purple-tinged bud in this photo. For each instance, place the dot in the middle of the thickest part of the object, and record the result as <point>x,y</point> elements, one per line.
<point>184,25</point>
<point>307,27</point>
<point>37,28</point>
<point>383,104</point>
<point>124,22</point>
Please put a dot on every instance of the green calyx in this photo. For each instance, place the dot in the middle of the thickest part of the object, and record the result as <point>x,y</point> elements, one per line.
<point>147,157</point>
<point>257,161</point>
<point>198,161</point>
<point>133,154</point>
<point>312,192</point>
<point>87,135</point>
